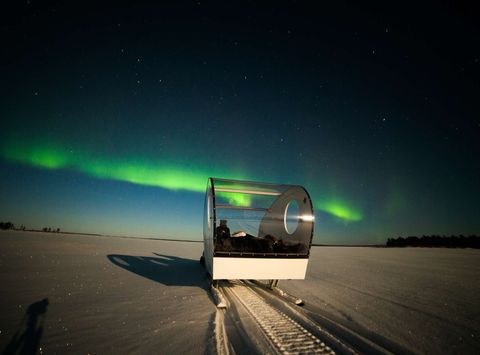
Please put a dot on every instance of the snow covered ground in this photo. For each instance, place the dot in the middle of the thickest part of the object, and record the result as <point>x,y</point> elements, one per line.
<point>97,307</point>
<point>407,299</point>
<point>88,294</point>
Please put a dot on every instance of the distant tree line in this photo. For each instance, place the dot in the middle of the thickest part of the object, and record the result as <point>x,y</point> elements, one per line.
<point>434,241</point>
<point>7,225</point>
<point>11,226</point>
<point>49,229</point>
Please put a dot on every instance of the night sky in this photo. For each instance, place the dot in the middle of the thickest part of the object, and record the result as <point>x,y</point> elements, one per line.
<point>115,114</point>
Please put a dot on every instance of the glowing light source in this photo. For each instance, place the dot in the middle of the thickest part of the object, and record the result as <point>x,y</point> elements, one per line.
<point>307,218</point>
<point>47,156</point>
<point>339,209</point>
<point>143,172</point>
<point>168,176</point>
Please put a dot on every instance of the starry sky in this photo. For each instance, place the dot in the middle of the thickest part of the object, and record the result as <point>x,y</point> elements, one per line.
<point>115,114</point>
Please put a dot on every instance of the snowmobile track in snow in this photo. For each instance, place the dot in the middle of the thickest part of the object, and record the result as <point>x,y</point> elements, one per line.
<point>285,334</point>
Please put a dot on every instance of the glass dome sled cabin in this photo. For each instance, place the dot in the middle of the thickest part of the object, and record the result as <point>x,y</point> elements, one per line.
<point>256,230</point>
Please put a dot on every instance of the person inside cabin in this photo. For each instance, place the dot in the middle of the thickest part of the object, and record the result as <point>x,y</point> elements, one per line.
<point>223,236</point>
<point>222,230</point>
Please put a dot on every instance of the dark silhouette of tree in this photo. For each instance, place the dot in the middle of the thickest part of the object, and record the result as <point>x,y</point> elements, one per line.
<point>7,225</point>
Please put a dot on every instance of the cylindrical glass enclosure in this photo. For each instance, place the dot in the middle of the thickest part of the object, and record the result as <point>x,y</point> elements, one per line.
<point>254,219</point>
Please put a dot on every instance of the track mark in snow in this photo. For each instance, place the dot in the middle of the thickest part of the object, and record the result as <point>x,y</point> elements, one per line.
<point>287,335</point>
<point>221,340</point>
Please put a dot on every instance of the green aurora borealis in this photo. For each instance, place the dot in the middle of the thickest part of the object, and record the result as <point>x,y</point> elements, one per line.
<point>142,172</point>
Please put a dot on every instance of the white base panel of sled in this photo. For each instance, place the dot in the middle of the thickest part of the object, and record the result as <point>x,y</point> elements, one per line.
<point>231,268</point>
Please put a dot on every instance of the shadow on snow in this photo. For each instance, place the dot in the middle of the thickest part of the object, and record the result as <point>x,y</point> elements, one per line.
<point>166,269</point>
<point>27,339</point>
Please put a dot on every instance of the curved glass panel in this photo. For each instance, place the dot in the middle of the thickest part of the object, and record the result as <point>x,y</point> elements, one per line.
<point>258,219</point>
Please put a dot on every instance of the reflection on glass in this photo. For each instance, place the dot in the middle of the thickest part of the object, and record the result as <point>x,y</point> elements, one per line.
<point>256,218</point>
<point>291,217</point>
